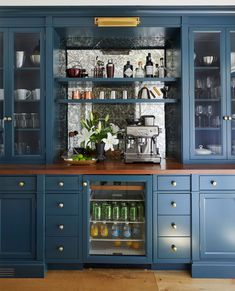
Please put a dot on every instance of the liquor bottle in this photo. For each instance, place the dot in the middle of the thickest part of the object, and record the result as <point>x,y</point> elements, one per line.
<point>110,69</point>
<point>156,74</point>
<point>139,71</point>
<point>162,69</point>
<point>149,66</point>
<point>128,70</point>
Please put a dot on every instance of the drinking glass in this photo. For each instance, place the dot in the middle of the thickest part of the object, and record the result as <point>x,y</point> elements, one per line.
<point>198,88</point>
<point>209,114</point>
<point>209,84</point>
<point>199,112</point>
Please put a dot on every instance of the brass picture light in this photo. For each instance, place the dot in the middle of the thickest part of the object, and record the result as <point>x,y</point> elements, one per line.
<point>117,21</point>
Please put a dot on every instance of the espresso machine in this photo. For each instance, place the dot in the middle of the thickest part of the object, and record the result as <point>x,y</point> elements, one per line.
<point>141,144</point>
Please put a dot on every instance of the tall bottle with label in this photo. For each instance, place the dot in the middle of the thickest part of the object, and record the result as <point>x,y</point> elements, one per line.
<point>162,69</point>
<point>128,70</point>
<point>149,67</point>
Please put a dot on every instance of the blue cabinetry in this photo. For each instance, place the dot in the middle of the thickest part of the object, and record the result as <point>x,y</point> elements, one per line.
<point>21,227</point>
<point>63,220</point>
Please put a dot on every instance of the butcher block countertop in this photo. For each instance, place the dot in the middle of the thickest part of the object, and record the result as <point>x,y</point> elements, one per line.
<point>117,167</point>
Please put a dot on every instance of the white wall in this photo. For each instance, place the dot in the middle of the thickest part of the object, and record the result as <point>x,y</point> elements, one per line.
<point>114,2</point>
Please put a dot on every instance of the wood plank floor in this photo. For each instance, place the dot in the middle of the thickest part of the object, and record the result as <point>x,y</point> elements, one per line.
<point>117,280</point>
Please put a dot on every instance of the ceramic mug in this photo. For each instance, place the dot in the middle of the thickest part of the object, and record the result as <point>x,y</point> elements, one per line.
<point>36,94</point>
<point>1,94</point>
<point>22,94</point>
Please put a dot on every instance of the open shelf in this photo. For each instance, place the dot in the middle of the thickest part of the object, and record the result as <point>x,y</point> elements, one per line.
<point>114,101</point>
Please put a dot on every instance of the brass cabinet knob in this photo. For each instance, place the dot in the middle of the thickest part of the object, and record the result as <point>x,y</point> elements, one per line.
<point>173,183</point>
<point>61,226</point>
<point>60,248</point>
<point>225,117</point>
<point>173,225</point>
<point>61,184</point>
<point>21,183</point>
<point>173,204</point>
<point>174,248</point>
<point>84,184</point>
<point>214,183</point>
<point>61,205</point>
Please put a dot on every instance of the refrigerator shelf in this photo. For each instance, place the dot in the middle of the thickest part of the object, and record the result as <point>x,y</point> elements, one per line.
<point>117,221</point>
<point>112,239</point>
<point>114,251</point>
<point>116,200</point>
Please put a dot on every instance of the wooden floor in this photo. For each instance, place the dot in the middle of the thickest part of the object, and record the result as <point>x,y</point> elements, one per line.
<point>117,280</point>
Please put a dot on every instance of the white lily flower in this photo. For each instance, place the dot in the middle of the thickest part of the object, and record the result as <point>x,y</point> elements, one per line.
<point>110,141</point>
<point>115,128</point>
<point>85,136</point>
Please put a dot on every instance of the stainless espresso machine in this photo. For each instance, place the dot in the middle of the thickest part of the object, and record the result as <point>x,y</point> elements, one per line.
<point>141,144</point>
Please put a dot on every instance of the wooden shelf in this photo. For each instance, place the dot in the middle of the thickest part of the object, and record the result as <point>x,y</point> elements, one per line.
<point>115,101</point>
<point>117,187</point>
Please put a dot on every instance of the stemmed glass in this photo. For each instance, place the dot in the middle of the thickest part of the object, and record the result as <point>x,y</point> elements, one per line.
<point>209,83</point>
<point>198,88</point>
<point>209,114</point>
<point>199,112</point>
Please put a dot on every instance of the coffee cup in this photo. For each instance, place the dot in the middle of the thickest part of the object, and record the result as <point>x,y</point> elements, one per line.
<point>22,94</point>
<point>1,94</point>
<point>36,94</point>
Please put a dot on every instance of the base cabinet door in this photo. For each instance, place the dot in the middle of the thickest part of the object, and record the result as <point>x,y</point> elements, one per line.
<point>217,227</point>
<point>17,226</point>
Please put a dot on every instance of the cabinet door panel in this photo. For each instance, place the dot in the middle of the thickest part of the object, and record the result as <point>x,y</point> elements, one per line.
<point>217,228</point>
<point>17,220</point>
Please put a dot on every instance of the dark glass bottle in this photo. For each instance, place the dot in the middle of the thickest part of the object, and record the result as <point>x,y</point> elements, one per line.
<point>149,67</point>
<point>128,70</point>
<point>110,69</point>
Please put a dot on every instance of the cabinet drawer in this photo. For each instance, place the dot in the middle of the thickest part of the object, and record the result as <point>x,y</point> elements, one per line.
<point>163,183</point>
<point>174,204</point>
<point>62,204</point>
<point>62,183</point>
<point>217,182</point>
<point>61,226</point>
<point>18,183</point>
<point>61,248</point>
<point>174,225</point>
<point>174,248</point>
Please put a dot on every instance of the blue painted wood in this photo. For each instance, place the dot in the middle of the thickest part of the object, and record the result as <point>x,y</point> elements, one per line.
<point>217,230</point>
<point>217,182</point>
<point>22,269</point>
<point>17,220</point>
<point>172,183</point>
<point>69,223</point>
<point>40,218</point>
<point>174,225</point>
<point>69,245</point>
<point>115,259</point>
<point>165,245</point>
<point>213,270</point>
<point>166,207</point>
<point>61,183</point>
<point>9,184</point>
<point>69,201</point>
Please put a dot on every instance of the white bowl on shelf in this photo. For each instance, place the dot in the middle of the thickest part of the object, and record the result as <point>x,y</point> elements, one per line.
<point>202,151</point>
<point>215,148</point>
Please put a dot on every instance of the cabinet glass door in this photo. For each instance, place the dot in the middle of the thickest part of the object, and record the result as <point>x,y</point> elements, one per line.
<point>27,94</point>
<point>232,86</point>
<point>2,109</point>
<point>207,90</point>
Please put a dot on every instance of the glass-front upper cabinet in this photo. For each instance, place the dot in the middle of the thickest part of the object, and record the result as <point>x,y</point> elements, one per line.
<point>207,90</point>
<point>232,86</point>
<point>22,95</point>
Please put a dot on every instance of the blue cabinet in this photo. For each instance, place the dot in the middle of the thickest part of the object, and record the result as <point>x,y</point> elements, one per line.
<point>22,110</point>
<point>117,219</point>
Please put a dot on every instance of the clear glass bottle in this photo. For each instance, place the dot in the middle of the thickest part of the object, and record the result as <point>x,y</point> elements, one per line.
<point>139,71</point>
<point>156,73</point>
<point>162,69</point>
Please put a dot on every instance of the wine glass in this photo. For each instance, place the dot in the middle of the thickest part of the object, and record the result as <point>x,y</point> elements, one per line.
<point>209,114</point>
<point>198,88</point>
<point>209,83</point>
<point>199,112</point>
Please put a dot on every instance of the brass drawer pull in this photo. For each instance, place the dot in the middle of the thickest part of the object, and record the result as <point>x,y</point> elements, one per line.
<point>61,226</point>
<point>61,249</point>
<point>61,184</point>
<point>214,183</point>
<point>173,225</point>
<point>21,183</point>
<point>173,204</point>
<point>61,205</point>
<point>173,183</point>
<point>174,248</point>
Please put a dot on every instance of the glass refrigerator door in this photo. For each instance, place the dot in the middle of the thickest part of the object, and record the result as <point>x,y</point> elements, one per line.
<point>27,67</point>
<point>207,94</point>
<point>117,218</point>
<point>2,109</point>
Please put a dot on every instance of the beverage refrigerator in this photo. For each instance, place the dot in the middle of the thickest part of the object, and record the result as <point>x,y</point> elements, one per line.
<point>118,218</point>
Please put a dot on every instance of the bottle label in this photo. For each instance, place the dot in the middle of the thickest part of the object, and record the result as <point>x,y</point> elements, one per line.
<point>149,70</point>
<point>128,72</point>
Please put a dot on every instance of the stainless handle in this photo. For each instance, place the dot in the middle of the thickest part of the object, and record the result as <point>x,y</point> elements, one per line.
<point>61,205</point>
<point>9,118</point>
<point>173,183</point>
<point>84,184</point>
<point>61,226</point>
<point>225,117</point>
<point>60,248</point>
<point>173,225</point>
<point>21,183</point>
<point>214,183</point>
<point>173,204</point>
<point>61,184</point>
<point>229,118</point>
<point>5,118</point>
<point>174,248</point>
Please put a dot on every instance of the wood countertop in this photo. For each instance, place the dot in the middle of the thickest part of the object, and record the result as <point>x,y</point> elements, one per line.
<point>117,167</point>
